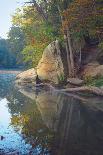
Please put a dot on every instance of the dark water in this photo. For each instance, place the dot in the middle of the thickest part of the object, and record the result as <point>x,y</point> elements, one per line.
<point>42,122</point>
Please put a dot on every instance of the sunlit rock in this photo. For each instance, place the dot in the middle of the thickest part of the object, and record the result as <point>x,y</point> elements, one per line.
<point>28,76</point>
<point>75,81</point>
<point>50,66</point>
<point>93,70</point>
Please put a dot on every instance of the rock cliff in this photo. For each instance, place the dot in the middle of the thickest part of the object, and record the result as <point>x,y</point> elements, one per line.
<point>50,66</point>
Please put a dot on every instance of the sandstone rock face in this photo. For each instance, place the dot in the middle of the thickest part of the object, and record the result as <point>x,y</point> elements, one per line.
<point>50,66</point>
<point>93,70</point>
<point>28,76</point>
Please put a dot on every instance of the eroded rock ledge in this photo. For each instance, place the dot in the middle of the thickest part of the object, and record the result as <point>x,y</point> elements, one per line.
<point>51,70</point>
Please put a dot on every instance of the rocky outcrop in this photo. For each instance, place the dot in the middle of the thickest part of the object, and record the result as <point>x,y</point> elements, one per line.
<point>50,66</point>
<point>28,76</point>
<point>93,70</point>
<point>75,81</point>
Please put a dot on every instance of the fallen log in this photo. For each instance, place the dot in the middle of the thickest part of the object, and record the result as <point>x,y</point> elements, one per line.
<point>91,89</point>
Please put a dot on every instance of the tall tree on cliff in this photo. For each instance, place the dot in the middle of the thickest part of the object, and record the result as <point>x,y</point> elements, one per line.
<point>51,11</point>
<point>82,17</point>
<point>42,21</point>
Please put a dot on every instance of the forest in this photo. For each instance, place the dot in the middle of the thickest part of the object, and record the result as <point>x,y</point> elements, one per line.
<point>9,57</point>
<point>39,22</point>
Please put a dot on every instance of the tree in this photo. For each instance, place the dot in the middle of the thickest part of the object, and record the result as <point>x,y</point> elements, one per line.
<point>38,34</point>
<point>7,59</point>
<point>82,18</point>
<point>43,21</point>
<point>16,42</point>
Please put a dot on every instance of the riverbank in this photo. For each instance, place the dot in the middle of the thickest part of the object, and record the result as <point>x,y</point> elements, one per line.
<point>72,85</point>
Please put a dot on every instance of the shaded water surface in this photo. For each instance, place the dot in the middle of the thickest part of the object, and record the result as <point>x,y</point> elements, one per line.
<point>43,122</point>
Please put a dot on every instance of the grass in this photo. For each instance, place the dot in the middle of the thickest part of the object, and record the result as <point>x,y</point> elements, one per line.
<point>97,81</point>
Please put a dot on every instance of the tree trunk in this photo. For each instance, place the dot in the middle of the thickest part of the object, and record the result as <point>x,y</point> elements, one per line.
<point>68,56</point>
<point>80,56</point>
<point>66,46</point>
<point>71,54</point>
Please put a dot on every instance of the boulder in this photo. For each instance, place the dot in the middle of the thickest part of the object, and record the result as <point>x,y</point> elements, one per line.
<point>93,70</point>
<point>50,66</point>
<point>28,76</point>
<point>75,81</point>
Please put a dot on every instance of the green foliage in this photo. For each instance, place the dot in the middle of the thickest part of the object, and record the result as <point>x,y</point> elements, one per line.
<point>32,54</point>
<point>98,81</point>
<point>101,45</point>
<point>7,59</point>
<point>61,78</point>
<point>16,42</point>
<point>84,17</point>
<point>38,34</point>
<point>40,22</point>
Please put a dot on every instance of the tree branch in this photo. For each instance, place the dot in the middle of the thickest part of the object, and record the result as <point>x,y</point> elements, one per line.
<point>39,9</point>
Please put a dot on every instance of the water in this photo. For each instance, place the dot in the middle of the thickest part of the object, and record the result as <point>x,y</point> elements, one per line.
<point>43,122</point>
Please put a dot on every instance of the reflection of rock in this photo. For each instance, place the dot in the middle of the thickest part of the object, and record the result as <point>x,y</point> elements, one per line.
<point>50,66</point>
<point>78,125</point>
<point>28,94</point>
<point>49,104</point>
<point>28,76</point>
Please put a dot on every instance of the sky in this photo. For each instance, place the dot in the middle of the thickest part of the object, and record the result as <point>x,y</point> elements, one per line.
<point>7,7</point>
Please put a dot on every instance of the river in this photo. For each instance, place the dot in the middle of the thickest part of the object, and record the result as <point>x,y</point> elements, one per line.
<point>43,122</point>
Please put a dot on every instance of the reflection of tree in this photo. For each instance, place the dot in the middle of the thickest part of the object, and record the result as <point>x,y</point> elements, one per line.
<point>6,84</point>
<point>27,119</point>
<point>80,130</point>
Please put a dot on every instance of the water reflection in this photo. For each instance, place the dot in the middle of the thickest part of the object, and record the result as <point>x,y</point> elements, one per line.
<point>21,125</point>
<point>26,119</point>
<point>80,131</point>
<point>43,122</point>
<point>78,125</point>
